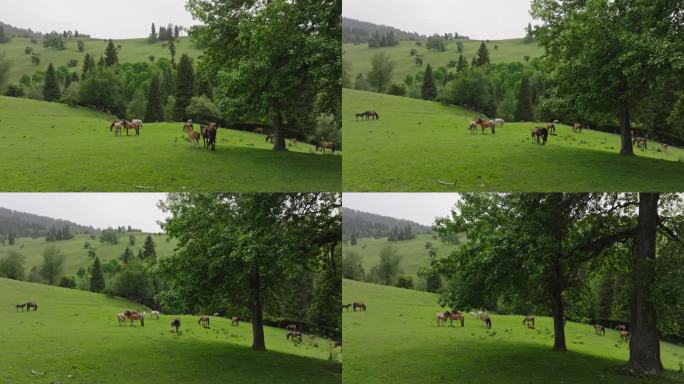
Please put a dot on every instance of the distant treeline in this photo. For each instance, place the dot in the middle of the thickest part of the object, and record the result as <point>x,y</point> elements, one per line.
<point>357,224</point>
<point>362,32</point>
<point>17,224</point>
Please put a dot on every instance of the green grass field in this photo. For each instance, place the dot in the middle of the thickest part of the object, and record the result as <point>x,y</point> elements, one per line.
<point>74,337</point>
<point>132,50</point>
<point>419,145</point>
<point>397,341</point>
<point>413,252</point>
<point>77,256</point>
<point>52,147</point>
<point>359,56</point>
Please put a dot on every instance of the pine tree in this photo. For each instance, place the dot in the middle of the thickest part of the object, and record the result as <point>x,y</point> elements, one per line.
<point>126,256</point>
<point>429,88</point>
<point>97,281</point>
<point>153,34</point>
<point>462,64</point>
<point>155,110</point>
<point>51,90</point>
<point>185,87</point>
<point>172,51</point>
<point>149,251</point>
<point>483,55</point>
<point>111,55</point>
<point>140,254</point>
<point>524,111</point>
<point>101,63</point>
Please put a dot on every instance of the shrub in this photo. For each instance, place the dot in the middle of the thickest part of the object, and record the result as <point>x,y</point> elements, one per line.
<point>202,109</point>
<point>15,90</point>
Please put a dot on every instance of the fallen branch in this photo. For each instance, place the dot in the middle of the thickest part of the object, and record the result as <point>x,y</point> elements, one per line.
<point>444,182</point>
<point>141,187</point>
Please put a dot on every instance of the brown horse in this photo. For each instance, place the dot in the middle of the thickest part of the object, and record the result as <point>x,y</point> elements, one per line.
<point>176,324</point>
<point>577,128</point>
<point>621,327</point>
<point>528,320</point>
<point>600,329</point>
<point>291,327</point>
<point>360,305</point>
<point>235,321</point>
<point>30,305</point>
<point>486,124</point>
<point>294,335</point>
<point>22,306</point>
<point>625,336</point>
<point>640,142</point>
<point>129,125</point>
<point>451,316</point>
<point>209,136</point>
<point>203,320</point>
<point>323,145</point>
<point>540,134</point>
<point>551,127</point>
<point>135,316</point>
<point>259,130</point>
<point>346,306</point>
<point>188,127</point>
<point>116,126</point>
<point>486,320</point>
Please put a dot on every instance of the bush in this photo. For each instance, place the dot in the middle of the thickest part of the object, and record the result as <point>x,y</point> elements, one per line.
<point>67,282</point>
<point>12,266</point>
<point>352,267</point>
<point>73,63</point>
<point>405,281</point>
<point>15,90</point>
<point>202,109</point>
<point>398,89</point>
<point>133,283</point>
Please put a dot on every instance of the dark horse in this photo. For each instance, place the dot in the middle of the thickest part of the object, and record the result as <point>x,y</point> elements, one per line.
<point>540,134</point>
<point>209,136</point>
<point>360,305</point>
<point>30,305</point>
<point>176,324</point>
<point>528,320</point>
<point>22,306</point>
<point>296,336</point>
<point>640,142</point>
<point>323,145</point>
<point>451,316</point>
<point>600,329</point>
<point>203,320</point>
<point>346,306</point>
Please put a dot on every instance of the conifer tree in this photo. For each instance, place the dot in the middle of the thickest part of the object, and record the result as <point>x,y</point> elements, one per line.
<point>51,90</point>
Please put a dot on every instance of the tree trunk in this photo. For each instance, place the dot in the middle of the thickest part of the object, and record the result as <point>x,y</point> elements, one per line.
<point>644,345</point>
<point>279,135</point>
<point>625,130</point>
<point>557,311</point>
<point>258,342</point>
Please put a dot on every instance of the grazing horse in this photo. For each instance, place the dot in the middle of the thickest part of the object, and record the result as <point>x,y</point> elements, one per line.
<point>291,327</point>
<point>122,319</point>
<point>209,136</point>
<point>203,320</point>
<point>176,324</point>
<point>540,134</point>
<point>22,306</point>
<point>451,316</point>
<point>346,306</point>
<point>323,145</point>
<point>551,127</point>
<point>235,321</point>
<point>131,125</point>
<point>188,127</point>
<point>528,320</point>
<point>439,318</point>
<point>600,329</point>
<point>296,336</point>
<point>360,305</point>
<point>259,130</point>
<point>361,115</point>
<point>373,115</point>
<point>30,305</point>
<point>621,327</point>
<point>117,126</point>
<point>624,335</point>
<point>640,142</point>
<point>499,122</point>
<point>577,128</point>
<point>486,124</point>
<point>155,315</point>
<point>486,320</point>
<point>132,315</point>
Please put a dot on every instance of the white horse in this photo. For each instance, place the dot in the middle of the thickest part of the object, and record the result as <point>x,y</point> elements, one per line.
<point>122,318</point>
<point>440,319</point>
<point>499,122</point>
<point>155,315</point>
<point>137,122</point>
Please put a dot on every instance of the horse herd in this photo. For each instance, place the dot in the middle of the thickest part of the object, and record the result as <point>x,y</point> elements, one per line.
<point>355,305</point>
<point>28,306</point>
<point>132,316</point>
<point>118,126</point>
<point>207,133</point>
<point>321,145</point>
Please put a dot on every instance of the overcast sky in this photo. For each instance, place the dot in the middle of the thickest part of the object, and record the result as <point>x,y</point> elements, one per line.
<point>419,207</point>
<point>478,19</point>
<point>115,19</point>
<point>100,210</point>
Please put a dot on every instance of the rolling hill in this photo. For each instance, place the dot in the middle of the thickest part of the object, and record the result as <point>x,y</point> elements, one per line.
<point>52,147</point>
<point>397,341</point>
<point>358,57</point>
<point>132,50</point>
<point>74,337</point>
<point>365,224</point>
<point>419,145</point>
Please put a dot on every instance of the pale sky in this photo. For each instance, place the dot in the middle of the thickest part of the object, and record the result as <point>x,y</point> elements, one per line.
<point>422,208</point>
<point>478,19</point>
<point>115,19</point>
<point>100,210</point>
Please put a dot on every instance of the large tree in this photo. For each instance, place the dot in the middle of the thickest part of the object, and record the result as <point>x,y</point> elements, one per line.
<point>97,280</point>
<point>242,248</point>
<point>155,109</point>
<point>185,87</point>
<point>272,58</point>
<point>381,71</point>
<point>429,89</point>
<point>524,110</point>
<point>111,55</point>
<point>51,91</point>
<point>606,56</point>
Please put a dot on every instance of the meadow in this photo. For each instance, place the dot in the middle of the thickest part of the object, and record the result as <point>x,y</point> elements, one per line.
<point>397,341</point>
<point>419,145</point>
<point>54,147</point>
<point>358,57</point>
<point>132,50</point>
<point>77,255</point>
<point>74,337</point>
<point>413,252</point>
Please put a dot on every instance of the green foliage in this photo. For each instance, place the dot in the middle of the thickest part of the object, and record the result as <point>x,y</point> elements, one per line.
<point>67,282</point>
<point>111,57</point>
<point>202,109</point>
<point>389,267</point>
<point>398,89</point>
<point>5,66</point>
<point>102,89</point>
<point>380,74</point>
<point>325,308</point>
<point>109,236</point>
<point>154,109</point>
<point>352,267</point>
<point>54,40</point>
<point>360,83</point>
<point>12,266</point>
<point>136,108</point>
<point>429,89</point>
<point>81,45</point>
<point>15,90</point>
<point>405,281</point>
<point>53,264</point>
<point>523,110</point>
<point>185,88</point>
<point>127,256</point>
<point>133,283</point>
<point>149,250</point>
<point>88,65</point>
<point>482,56</point>
<point>472,90</point>
<point>51,91</point>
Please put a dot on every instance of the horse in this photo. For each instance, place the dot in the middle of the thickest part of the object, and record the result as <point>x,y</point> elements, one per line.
<point>473,127</point>
<point>528,320</point>
<point>176,323</point>
<point>30,305</point>
<point>540,134</point>
<point>193,136</point>
<point>117,126</point>
<point>22,306</point>
<point>130,125</point>
<point>373,115</point>
<point>188,127</point>
<point>640,142</point>
<point>235,321</point>
<point>439,318</point>
<point>621,327</point>
<point>294,142</point>
<point>203,320</point>
<point>132,316</point>
<point>664,148</point>
<point>360,305</point>
<point>346,306</point>
<point>296,336</point>
<point>486,320</point>
<point>259,130</point>
<point>551,127</point>
<point>122,319</point>
<point>138,122</point>
<point>486,124</point>
<point>499,122</point>
<point>155,315</point>
<point>209,136</point>
<point>451,316</point>
<point>577,128</point>
<point>361,115</point>
<point>323,145</point>
<point>291,327</point>
<point>270,138</point>
<point>625,336</point>
<point>600,329</point>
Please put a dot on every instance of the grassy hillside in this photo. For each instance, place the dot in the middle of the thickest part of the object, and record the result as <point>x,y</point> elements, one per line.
<point>359,56</point>
<point>52,147</point>
<point>77,256</point>
<point>418,145</point>
<point>413,252</point>
<point>132,50</point>
<point>397,341</point>
<point>74,337</point>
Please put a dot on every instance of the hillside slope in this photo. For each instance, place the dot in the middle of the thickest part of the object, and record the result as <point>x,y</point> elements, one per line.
<point>52,147</point>
<point>74,337</point>
<point>419,145</point>
<point>398,333</point>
